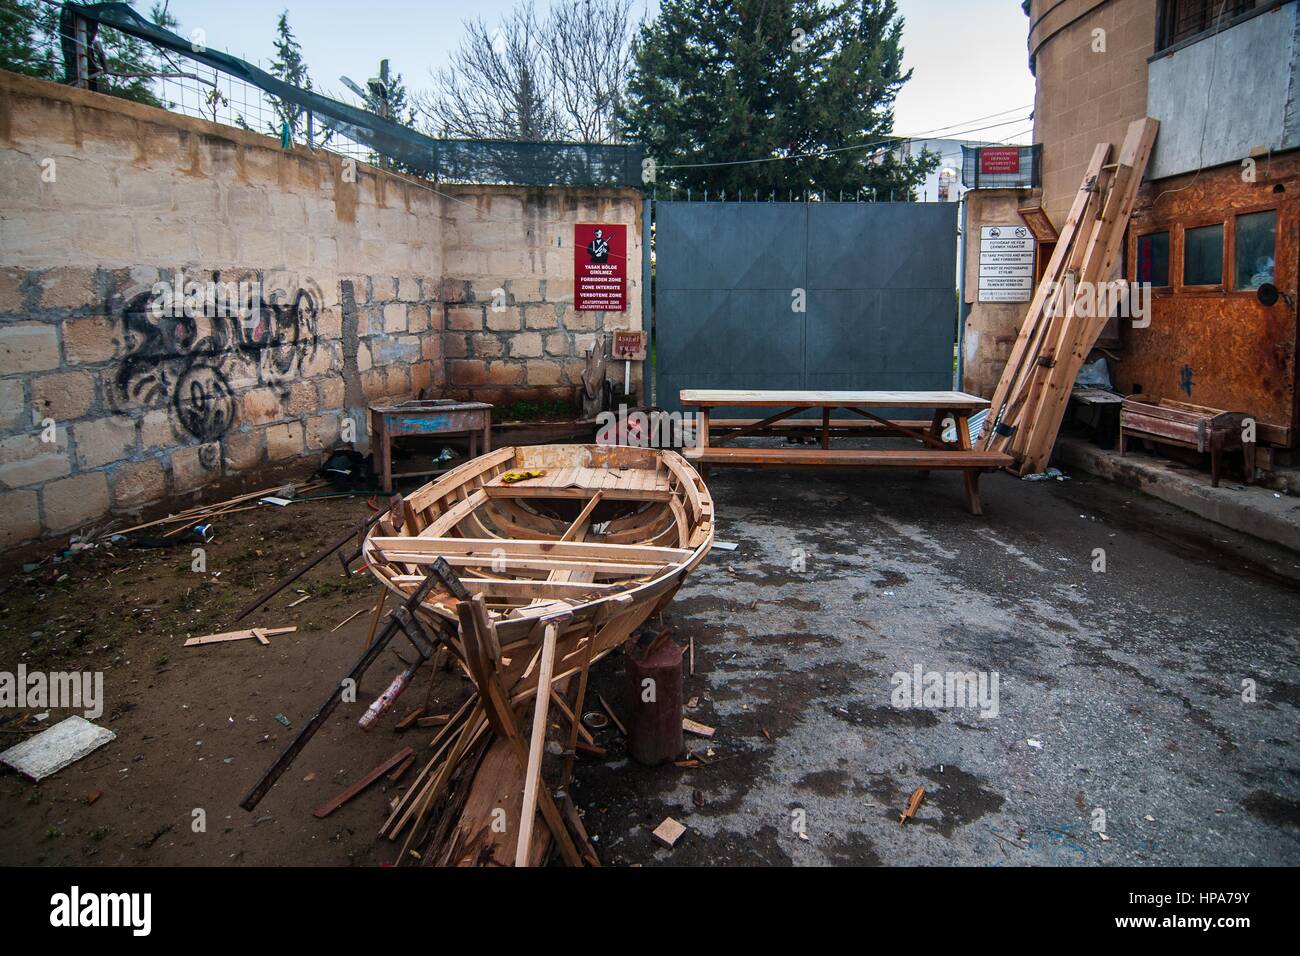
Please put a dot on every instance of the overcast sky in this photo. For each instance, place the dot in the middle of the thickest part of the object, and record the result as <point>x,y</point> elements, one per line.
<point>968,55</point>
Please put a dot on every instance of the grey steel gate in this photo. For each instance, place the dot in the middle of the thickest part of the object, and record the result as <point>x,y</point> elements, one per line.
<point>878,282</point>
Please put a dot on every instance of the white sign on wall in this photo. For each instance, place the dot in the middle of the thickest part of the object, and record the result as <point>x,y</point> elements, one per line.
<point>1006,271</point>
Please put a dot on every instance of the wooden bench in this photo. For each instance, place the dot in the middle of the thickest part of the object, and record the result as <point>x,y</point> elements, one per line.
<point>1212,430</point>
<point>944,438</point>
<point>970,463</point>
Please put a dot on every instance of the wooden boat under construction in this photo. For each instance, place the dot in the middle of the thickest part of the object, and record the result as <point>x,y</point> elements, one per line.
<point>535,562</point>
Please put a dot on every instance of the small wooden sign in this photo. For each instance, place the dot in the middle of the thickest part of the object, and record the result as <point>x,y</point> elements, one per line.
<point>629,346</point>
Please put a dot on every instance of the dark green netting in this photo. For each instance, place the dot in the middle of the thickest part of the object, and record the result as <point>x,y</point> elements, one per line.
<point>447,160</point>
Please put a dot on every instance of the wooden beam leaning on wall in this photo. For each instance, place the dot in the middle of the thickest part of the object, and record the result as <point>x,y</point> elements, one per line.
<point>1055,340</point>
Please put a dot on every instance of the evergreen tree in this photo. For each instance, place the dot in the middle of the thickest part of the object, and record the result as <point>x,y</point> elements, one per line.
<point>24,36</point>
<point>807,84</point>
<point>290,67</point>
<point>31,42</point>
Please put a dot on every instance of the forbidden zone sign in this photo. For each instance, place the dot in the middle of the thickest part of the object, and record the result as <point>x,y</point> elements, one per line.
<point>599,267</point>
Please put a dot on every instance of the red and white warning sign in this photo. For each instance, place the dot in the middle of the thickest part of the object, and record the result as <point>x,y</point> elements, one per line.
<point>599,267</point>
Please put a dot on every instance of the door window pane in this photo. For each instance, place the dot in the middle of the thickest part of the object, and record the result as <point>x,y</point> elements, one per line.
<point>1153,259</point>
<point>1203,256</point>
<point>1256,241</point>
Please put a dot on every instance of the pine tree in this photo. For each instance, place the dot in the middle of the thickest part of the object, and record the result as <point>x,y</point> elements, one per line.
<point>31,42</point>
<point>290,67</point>
<point>716,81</point>
<point>24,46</point>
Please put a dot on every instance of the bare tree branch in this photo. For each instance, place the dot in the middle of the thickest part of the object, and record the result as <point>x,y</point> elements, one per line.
<point>558,79</point>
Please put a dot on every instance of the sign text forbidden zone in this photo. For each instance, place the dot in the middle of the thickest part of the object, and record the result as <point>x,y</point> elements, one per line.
<point>1006,272</point>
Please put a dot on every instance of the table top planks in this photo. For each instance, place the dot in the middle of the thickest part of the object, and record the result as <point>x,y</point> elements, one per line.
<point>705,397</point>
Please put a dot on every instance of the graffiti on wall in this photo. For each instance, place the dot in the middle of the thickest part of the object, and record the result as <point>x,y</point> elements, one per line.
<point>191,346</point>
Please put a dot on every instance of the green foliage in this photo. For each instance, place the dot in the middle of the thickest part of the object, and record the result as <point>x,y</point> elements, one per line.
<point>31,43</point>
<point>725,80</point>
<point>24,36</point>
<point>526,411</point>
<point>290,67</point>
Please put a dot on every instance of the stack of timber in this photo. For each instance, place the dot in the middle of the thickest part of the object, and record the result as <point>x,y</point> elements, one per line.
<point>1058,334</point>
<point>527,583</point>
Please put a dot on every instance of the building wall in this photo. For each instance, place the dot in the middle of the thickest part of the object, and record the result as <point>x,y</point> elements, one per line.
<point>107,407</point>
<point>1229,95</point>
<point>1085,97</point>
<point>990,328</point>
<point>1219,346</point>
<point>520,337</point>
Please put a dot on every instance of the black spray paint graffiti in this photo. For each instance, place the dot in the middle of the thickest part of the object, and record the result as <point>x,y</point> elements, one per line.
<point>185,359</point>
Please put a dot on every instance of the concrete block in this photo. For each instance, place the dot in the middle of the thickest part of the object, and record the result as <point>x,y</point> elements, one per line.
<point>14,412</point>
<point>103,441</point>
<point>72,502</point>
<point>241,451</point>
<point>68,288</point>
<point>284,441</point>
<point>28,347</point>
<point>26,460</point>
<point>89,340</point>
<point>62,396</point>
<point>20,517</point>
<point>136,483</point>
<point>194,466</point>
<point>525,345</point>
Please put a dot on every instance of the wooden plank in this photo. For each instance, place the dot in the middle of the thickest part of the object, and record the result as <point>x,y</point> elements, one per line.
<point>696,728</point>
<point>533,773</point>
<point>668,833</point>
<point>458,476</point>
<point>1080,332</point>
<point>577,492</point>
<point>506,547</point>
<point>579,525</point>
<point>678,467</point>
<point>805,424</point>
<point>244,635</point>
<point>918,458</point>
<point>1051,277</point>
<point>509,564</point>
<point>325,809</point>
<point>755,426</point>
<point>817,399</point>
<point>454,515</point>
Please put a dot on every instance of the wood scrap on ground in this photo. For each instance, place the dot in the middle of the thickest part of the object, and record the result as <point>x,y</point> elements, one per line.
<point>350,617</point>
<point>913,803</point>
<point>260,634</point>
<point>668,833</point>
<point>697,728</point>
<point>325,809</point>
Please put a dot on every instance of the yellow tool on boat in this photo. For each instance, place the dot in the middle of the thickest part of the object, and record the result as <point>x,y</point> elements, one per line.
<point>510,477</point>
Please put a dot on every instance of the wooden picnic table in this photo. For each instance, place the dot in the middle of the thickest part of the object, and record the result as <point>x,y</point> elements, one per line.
<point>948,412</point>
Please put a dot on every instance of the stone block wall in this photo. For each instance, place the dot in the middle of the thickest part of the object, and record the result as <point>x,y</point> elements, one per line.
<point>316,286</point>
<point>512,331</point>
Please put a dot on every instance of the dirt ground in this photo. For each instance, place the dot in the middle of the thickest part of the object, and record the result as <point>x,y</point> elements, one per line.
<point>1127,682</point>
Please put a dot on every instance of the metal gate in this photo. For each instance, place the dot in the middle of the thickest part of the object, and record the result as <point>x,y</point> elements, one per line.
<point>877,282</point>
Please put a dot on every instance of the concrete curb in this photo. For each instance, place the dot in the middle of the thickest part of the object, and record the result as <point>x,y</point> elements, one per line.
<point>1255,511</point>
